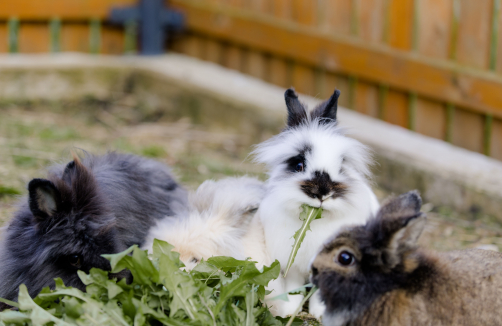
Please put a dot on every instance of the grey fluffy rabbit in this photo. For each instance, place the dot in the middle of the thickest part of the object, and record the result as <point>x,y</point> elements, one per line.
<point>91,206</point>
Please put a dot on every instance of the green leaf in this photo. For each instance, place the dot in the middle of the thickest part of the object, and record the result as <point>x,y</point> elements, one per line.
<point>14,317</point>
<point>268,274</point>
<point>160,248</point>
<point>113,289</point>
<point>179,284</point>
<point>228,264</point>
<point>307,215</point>
<point>10,303</point>
<point>121,260</point>
<point>142,269</point>
<point>38,315</point>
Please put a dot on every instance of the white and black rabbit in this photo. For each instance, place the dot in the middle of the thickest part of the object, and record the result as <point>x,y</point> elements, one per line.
<point>375,274</point>
<point>311,162</point>
<point>220,221</point>
<point>88,207</point>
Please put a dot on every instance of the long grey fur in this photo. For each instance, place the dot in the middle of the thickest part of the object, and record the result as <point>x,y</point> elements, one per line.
<point>103,205</point>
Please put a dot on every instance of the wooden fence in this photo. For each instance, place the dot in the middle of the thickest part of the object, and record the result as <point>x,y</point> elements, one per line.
<point>433,66</point>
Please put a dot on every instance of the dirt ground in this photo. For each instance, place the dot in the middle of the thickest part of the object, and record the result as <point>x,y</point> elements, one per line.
<point>33,136</point>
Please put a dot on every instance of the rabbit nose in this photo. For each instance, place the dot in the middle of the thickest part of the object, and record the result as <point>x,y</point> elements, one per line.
<point>317,187</point>
<point>315,271</point>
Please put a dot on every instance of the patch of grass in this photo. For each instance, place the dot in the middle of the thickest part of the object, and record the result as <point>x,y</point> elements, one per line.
<point>153,151</point>
<point>8,191</point>
<point>25,161</point>
<point>58,134</point>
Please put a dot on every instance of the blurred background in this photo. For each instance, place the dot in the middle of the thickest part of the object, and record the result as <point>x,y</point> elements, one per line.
<point>431,66</point>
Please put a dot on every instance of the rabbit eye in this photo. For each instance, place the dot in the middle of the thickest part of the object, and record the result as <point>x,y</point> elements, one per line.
<point>345,258</point>
<point>75,260</point>
<point>300,167</point>
<point>194,260</point>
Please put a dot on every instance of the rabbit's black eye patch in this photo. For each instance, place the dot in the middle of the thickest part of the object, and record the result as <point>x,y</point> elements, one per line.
<point>296,163</point>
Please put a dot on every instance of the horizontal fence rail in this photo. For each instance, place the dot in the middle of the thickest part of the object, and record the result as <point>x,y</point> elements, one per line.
<point>433,66</point>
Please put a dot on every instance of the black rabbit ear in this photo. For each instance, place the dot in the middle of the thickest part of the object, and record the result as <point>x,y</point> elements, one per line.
<point>402,224</point>
<point>326,111</point>
<point>44,198</point>
<point>297,113</point>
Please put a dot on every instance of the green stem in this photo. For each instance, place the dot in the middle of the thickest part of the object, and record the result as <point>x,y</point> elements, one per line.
<point>290,322</point>
<point>311,214</point>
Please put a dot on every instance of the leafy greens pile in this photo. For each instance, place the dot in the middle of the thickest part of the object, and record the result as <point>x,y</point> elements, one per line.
<point>219,291</point>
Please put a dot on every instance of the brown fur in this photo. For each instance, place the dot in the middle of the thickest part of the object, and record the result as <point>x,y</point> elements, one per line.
<point>392,282</point>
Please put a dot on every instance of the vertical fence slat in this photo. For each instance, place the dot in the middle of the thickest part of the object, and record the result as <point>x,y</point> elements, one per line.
<point>366,100</point>
<point>383,91</point>
<point>94,36</point>
<point>13,28</point>
<point>281,9</point>
<point>412,111</point>
<point>474,33</point>
<point>400,23</point>
<point>304,12</point>
<point>430,118</point>
<point>338,16</point>
<point>214,51</point>
<point>255,64</point>
<point>55,30</point>
<point>455,22</point>
<point>354,14</point>
<point>4,38</point>
<point>396,108</point>
<point>494,34</point>
<point>130,37</point>
<point>278,72</point>
<point>434,27</point>
<point>496,139</point>
<point>304,79</point>
<point>34,38</point>
<point>233,57</point>
<point>75,37</point>
<point>112,41</point>
<point>468,130</point>
<point>487,138</point>
<point>450,118</point>
<point>371,20</point>
<point>352,92</point>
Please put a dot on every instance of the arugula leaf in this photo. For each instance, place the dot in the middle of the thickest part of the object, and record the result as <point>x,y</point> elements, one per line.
<point>219,291</point>
<point>307,215</point>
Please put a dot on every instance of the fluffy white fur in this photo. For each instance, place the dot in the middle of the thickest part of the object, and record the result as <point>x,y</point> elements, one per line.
<point>220,221</point>
<point>346,161</point>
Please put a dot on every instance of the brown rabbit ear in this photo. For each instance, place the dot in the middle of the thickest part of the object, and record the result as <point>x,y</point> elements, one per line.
<point>399,224</point>
<point>405,238</point>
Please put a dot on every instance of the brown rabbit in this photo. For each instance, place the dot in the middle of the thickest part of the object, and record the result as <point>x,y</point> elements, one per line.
<point>375,275</point>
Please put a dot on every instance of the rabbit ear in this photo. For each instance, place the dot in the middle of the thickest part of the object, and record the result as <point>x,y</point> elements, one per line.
<point>401,224</point>
<point>326,111</point>
<point>296,111</point>
<point>44,198</point>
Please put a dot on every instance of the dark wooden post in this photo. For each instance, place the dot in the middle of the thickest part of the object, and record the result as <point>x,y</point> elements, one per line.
<point>153,19</point>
